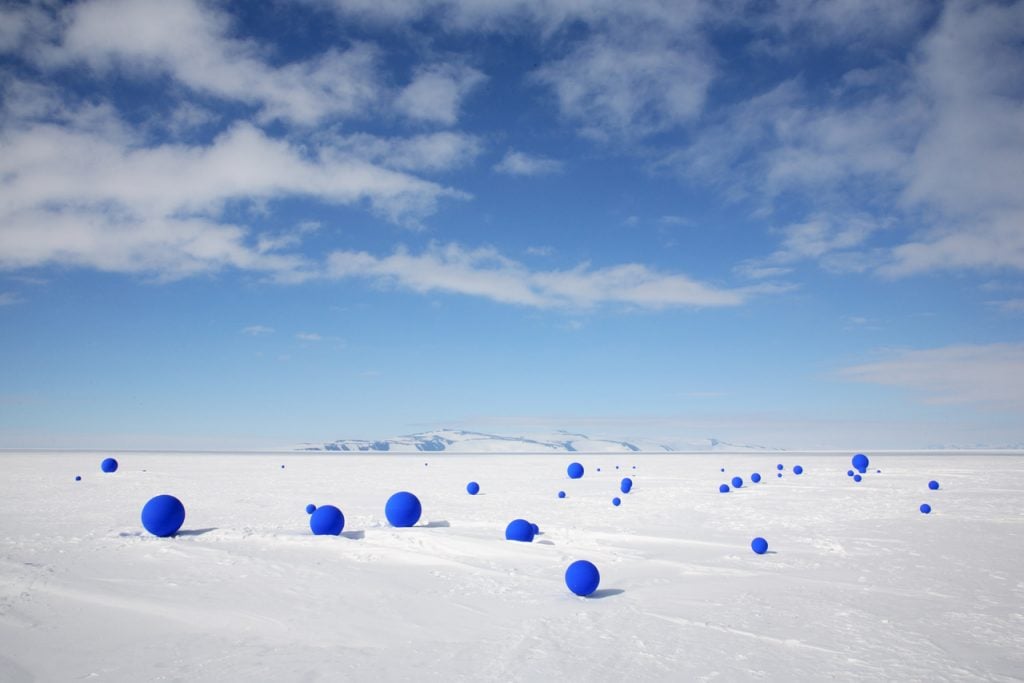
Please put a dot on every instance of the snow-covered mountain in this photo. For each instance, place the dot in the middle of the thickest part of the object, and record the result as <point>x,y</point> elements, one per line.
<point>461,441</point>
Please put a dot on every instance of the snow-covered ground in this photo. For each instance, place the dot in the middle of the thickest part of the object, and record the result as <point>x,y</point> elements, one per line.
<point>857,584</point>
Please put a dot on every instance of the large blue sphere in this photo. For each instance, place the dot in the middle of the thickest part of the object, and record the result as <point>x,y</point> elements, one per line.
<point>519,530</point>
<point>756,478</point>
<point>737,482</point>
<point>403,509</point>
<point>860,462</point>
<point>926,508</point>
<point>561,494</point>
<point>472,488</point>
<point>310,509</point>
<point>798,470</point>
<point>933,485</point>
<point>759,545</point>
<point>724,488</point>
<point>163,515</point>
<point>109,465</point>
<point>575,470</point>
<point>327,520</point>
<point>582,577</point>
<point>626,485</point>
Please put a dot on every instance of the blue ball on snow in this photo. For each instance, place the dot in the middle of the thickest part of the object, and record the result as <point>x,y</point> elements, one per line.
<point>327,520</point>
<point>403,509</point>
<point>575,470</point>
<point>78,478</point>
<point>779,475</point>
<point>933,485</point>
<point>519,530</point>
<point>616,501</point>
<point>779,466</point>
<point>163,515</point>
<point>534,528</point>
<point>849,473</point>
<point>310,509</point>
<point>626,485</point>
<point>857,478</point>
<point>724,488</point>
<point>860,462</point>
<point>108,465</point>
<point>737,482</point>
<point>561,494</point>
<point>798,470</point>
<point>756,478</point>
<point>759,545</point>
<point>926,508</point>
<point>582,578</point>
<point>472,488</point>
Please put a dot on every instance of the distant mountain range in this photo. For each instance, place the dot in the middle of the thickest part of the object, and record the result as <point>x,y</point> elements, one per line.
<point>461,441</point>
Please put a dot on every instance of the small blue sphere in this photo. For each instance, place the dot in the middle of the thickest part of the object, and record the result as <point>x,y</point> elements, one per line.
<point>724,488</point>
<point>519,530</point>
<point>282,467</point>
<point>327,520</point>
<point>860,462</point>
<point>561,494</point>
<point>575,470</point>
<point>857,478</point>
<point>472,488</point>
<point>626,485</point>
<point>163,515</point>
<point>849,473</point>
<point>779,466</point>
<point>723,469</point>
<point>310,509</point>
<point>737,482</point>
<point>779,475</point>
<point>756,478</point>
<point>598,469</point>
<point>582,578</point>
<point>78,478</point>
<point>798,470</point>
<point>933,485</point>
<point>616,501</point>
<point>403,509</point>
<point>926,508</point>
<point>109,465</point>
<point>759,545</point>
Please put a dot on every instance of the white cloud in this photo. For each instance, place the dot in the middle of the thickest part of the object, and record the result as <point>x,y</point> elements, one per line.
<point>257,330</point>
<point>440,151</point>
<point>191,42</point>
<point>520,163</point>
<point>990,374</point>
<point>9,299</point>
<point>486,273</point>
<point>308,337</point>
<point>436,93</point>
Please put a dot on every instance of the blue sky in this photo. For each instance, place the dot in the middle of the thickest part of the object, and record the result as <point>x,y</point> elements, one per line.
<point>794,223</point>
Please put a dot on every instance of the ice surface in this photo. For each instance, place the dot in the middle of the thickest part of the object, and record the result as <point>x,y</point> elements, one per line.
<point>857,584</point>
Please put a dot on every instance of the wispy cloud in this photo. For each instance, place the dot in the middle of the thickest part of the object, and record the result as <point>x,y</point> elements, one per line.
<point>521,163</point>
<point>991,374</point>
<point>257,330</point>
<point>308,337</point>
<point>487,273</point>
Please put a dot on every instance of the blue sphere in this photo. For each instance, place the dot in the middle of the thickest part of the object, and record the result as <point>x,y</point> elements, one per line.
<point>737,482</point>
<point>561,494</point>
<point>798,470</point>
<point>616,501</point>
<point>779,475</point>
<point>849,473</point>
<point>78,478</point>
<point>860,462</point>
<point>582,578</point>
<point>575,470</point>
<point>163,515</point>
<point>310,509</point>
<point>759,545</point>
<point>403,509</point>
<point>779,466</point>
<point>724,488</point>
<point>626,485</point>
<point>933,485</point>
<point>723,469</point>
<point>472,488</point>
<point>926,508</point>
<point>598,469</point>
<point>519,530</point>
<point>326,520</point>
<point>109,465</point>
<point>857,478</point>
<point>756,478</point>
